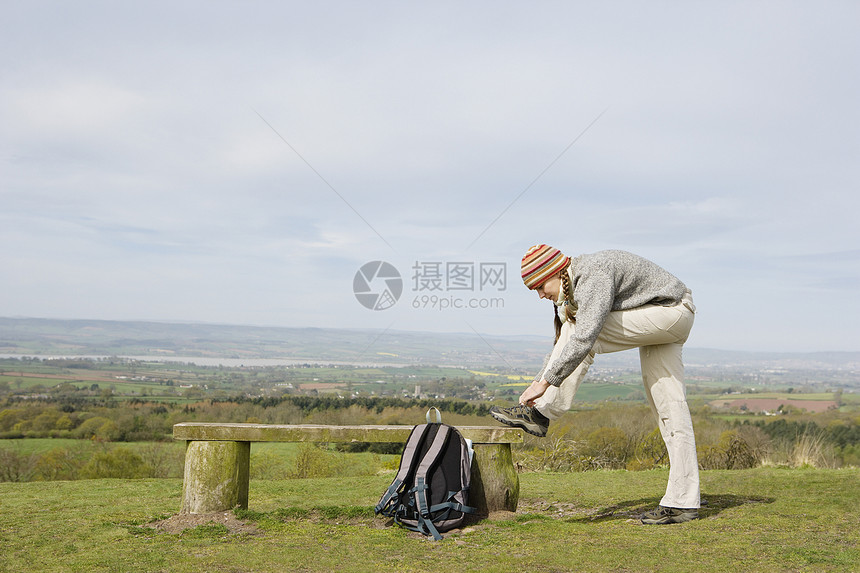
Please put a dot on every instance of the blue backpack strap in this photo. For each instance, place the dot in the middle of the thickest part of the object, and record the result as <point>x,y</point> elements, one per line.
<point>429,528</point>
<point>422,526</point>
<point>452,505</point>
<point>385,504</point>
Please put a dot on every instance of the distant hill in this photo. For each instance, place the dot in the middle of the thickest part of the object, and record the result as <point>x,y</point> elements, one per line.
<point>51,337</point>
<point>41,337</point>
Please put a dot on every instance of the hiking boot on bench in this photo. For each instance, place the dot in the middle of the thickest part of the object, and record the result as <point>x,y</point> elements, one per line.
<point>525,417</point>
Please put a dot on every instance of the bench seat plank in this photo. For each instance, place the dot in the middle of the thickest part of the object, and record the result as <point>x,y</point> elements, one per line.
<point>321,433</point>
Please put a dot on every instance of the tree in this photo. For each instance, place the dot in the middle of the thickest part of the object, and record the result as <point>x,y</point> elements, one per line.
<point>46,421</point>
<point>90,427</point>
<point>10,417</point>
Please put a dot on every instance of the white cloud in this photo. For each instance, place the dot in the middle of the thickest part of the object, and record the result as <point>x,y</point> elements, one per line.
<point>79,108</point>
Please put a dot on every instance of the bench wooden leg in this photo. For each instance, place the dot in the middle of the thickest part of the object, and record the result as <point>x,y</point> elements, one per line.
<point>495,483</point>
<point>216,476</point>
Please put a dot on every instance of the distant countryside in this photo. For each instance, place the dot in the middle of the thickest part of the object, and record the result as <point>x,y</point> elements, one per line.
<point>74,417</point>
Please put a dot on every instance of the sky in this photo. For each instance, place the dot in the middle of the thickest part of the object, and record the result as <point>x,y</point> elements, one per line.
<point>243,162</point>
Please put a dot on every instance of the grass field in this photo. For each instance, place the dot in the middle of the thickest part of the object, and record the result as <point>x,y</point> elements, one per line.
<point>269,460</point>
<point>42,445</point>
<point>756,520</point>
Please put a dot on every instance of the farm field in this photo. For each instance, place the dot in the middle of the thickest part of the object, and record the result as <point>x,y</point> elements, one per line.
<point>182,383</point>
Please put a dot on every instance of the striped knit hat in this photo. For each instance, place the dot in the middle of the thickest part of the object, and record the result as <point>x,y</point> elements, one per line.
<point>540,263</point>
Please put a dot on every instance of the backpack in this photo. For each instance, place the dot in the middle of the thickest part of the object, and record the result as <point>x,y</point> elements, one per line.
<point>431,490</point>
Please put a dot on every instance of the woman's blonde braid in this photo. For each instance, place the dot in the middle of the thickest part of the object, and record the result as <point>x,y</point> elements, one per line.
<point>569,308</point>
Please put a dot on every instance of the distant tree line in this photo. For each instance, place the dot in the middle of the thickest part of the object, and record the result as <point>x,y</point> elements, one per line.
<point>310,404</point>
<point>611,435</point>
<point>141,420</point>
<point>840,433</point>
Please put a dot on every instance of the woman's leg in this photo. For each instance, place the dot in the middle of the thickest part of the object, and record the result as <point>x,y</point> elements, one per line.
<point>660,333</point>
<point>663,376</point>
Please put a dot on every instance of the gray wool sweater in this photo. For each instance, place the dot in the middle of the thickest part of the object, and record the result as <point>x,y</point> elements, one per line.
<point>602,282</point>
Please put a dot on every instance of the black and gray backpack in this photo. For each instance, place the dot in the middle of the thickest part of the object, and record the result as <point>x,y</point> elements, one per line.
<point>431,490</point>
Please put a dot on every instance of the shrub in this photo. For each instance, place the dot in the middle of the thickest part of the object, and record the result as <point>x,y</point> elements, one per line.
<point>162,461</point>
<point>312,462</point>
<point>731,453</point>
<point>267,465</point>
<point>649,453</point>
<point>59,464</point>
<point>555,452</point>
<point>119,463</point>
<point>605,448</point>
<point>850,455</point>
<point>811,450</point>
<point>15,466</point>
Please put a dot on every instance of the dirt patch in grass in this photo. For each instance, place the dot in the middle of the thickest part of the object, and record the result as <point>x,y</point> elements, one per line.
<point>180,522</point>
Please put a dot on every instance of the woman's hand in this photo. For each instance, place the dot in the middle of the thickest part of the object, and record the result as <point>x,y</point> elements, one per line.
<point>533,392</point>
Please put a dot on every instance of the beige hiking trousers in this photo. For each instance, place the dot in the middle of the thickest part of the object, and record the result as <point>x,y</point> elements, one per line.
<point>659,332</point>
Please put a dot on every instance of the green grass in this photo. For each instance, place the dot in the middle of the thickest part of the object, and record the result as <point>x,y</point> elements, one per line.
<point>756,520</point>
<point>597,392</point>
<point>269,460</point>
<point>16,382</point>
<point>41,445</point>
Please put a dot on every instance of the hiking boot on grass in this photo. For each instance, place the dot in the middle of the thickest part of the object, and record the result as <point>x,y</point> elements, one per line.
<point>525,417</point>
<point>665,515</point>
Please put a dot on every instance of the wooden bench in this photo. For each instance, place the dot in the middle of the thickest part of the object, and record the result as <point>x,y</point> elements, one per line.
<point>217,459</point>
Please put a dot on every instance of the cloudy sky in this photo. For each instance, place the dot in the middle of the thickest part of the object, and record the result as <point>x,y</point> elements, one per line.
<point>238,162</point>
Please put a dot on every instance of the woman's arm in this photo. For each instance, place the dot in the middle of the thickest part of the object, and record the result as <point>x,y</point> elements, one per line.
<point>594,294</point>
